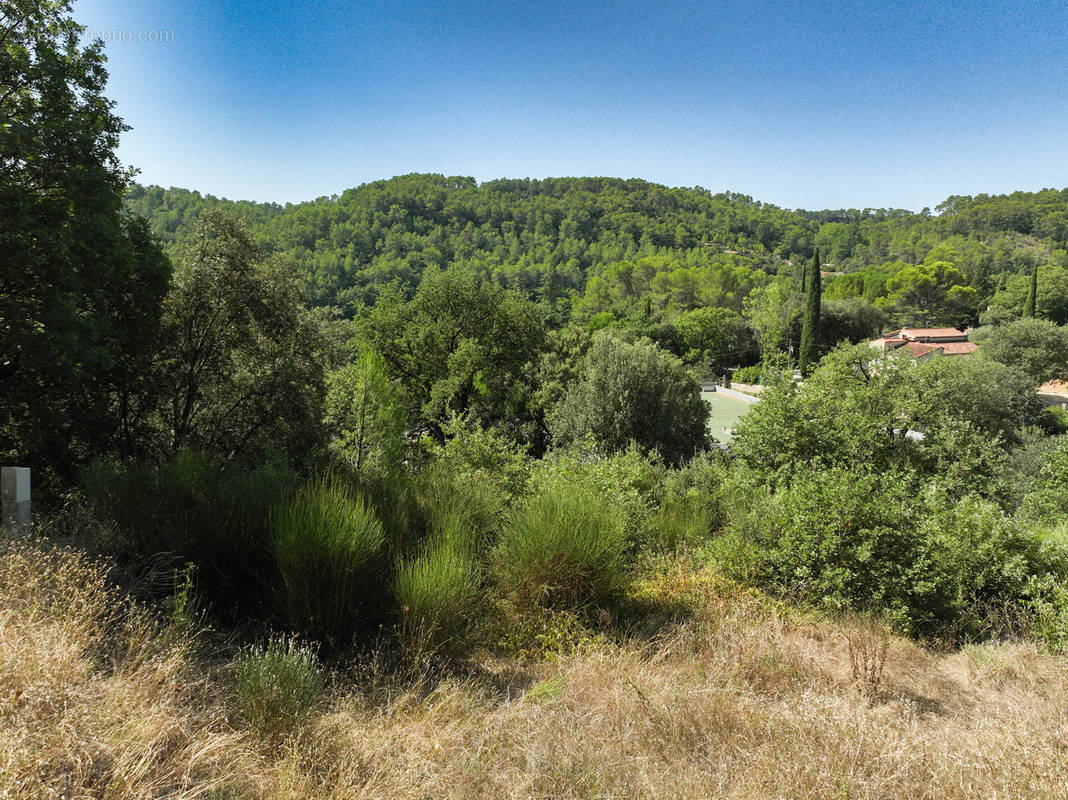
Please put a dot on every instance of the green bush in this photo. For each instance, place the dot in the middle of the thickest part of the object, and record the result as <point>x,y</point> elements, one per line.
<point>198,509</point>
<point>984,563</point>
<point>328,546</point>
<point>749,375</point>
<point>692,506</point>
<point>278,685</point>
<point>563,548</point>
<point>850,540</point>
<point>440,593</point>
<point>628,481</point>
<point>1049,499</point>
<point>843,540</point>
<point>451,500</point>
<point>1048,605</point>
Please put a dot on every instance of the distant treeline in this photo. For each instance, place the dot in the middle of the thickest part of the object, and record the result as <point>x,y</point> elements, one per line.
<point>548,238</point>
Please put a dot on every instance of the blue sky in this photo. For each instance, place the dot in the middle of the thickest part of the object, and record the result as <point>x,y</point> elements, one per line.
<point>814,105</point>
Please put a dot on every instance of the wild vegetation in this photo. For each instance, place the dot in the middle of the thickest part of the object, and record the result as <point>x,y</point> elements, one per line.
<point>411,492</point>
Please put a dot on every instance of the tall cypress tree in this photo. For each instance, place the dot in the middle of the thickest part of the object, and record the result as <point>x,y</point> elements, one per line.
<point>810,327</point>
<point>1032,296</point>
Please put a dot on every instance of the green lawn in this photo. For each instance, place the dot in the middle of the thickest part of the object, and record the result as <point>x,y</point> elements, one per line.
<point>726,411</point>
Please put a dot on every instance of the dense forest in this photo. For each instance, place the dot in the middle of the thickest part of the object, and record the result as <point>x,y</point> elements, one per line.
<point>628,253</point>
<point>315,485</point>
<point>682,247</point>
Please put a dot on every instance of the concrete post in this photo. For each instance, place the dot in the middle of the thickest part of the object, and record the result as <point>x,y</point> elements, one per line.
<point>15,500</point>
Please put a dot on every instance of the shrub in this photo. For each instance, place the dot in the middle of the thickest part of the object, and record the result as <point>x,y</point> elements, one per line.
<point>1049,499</point>
<point>632,393</point>
<point>197,508</point>
<point>849,540</point>
<point>748,374</point>
<point>487,456</point>
<point>692,506</point>
<point>563,548</point>
<point>1048,606</point>
<point>439,592</point>
<point>841,539</point>
<point>278,685</point>
<point>448,500</point>
<point>628,481</point>
<point>328,547</point>
<point>984,562</point>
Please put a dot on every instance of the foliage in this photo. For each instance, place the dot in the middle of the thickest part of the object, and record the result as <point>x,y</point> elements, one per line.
<point>808,353</point>
<point>1009,301</point>
<point>849,539</point>
<point>440,593</point>
<point>750,375</point>
<point>930,294</point>
<point>1049,611</point>
<point>243,362</point>
<point>195,509</point>
<point>1036,347</point>
<point>278,685</point>
<point>849,320</point>
<point>1032,294</point>
<point>691,508</point>
<point>774,313</point>
<point>985,562</point>
<point>462,345</point>
<point>475,455</point>
<point>364,417</point>
<point>328,547</point>
<point>632,392</point>
<point>1049,499</point>
<point>629,482</point>
<point>562,548</point>
<point>715,339</point>
<point>953,418</point>
<point>82,282</point>
<point>843,538</point>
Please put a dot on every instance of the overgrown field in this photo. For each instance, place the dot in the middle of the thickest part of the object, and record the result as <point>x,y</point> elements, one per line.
<point>731,696</point>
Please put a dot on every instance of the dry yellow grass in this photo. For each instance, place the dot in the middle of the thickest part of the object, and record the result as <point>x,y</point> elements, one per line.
<point>736,703</point>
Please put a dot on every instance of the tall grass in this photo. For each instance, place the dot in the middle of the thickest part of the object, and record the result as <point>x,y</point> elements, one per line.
<point>196,509</point>
<point>278,685</point>
<point>440,594</point>
<point>562,548</point>
<point>328,546</point>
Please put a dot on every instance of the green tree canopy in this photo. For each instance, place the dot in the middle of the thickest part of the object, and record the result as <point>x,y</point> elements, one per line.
<point>81,284</point>
<point>954,418</point>
<point>929,295</point>
<point>632,392</point>
<point>462,344</point>
<point>364,416</point>
<point>244,358</point>
<point>1036,347</point>
<point>716,339</point>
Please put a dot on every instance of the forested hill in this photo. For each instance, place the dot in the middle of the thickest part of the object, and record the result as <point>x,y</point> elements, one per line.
<point>691,247</point>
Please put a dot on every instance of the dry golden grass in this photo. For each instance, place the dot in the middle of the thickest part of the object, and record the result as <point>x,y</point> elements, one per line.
<point>738,702</point>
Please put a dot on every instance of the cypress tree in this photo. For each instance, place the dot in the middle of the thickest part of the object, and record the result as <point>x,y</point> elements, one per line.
<point>1032,296</point>
<point>810,327</point>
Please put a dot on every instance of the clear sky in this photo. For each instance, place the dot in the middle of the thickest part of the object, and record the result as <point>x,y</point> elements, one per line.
<point>831,103</point>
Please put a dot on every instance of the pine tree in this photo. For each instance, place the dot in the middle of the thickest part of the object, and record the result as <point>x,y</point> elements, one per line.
<point>1032,296</point>
<point>810,327</point>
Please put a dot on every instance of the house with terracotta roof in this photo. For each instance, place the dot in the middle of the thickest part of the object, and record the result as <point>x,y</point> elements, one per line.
<point>925,342</point>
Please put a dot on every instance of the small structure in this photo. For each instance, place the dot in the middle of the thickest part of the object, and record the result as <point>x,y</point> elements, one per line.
<point>924,342</point>
<point>15,500</point>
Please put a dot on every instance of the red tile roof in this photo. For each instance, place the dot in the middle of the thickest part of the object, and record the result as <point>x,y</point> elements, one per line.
<point>918,349</point>
<point>957,348</point>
